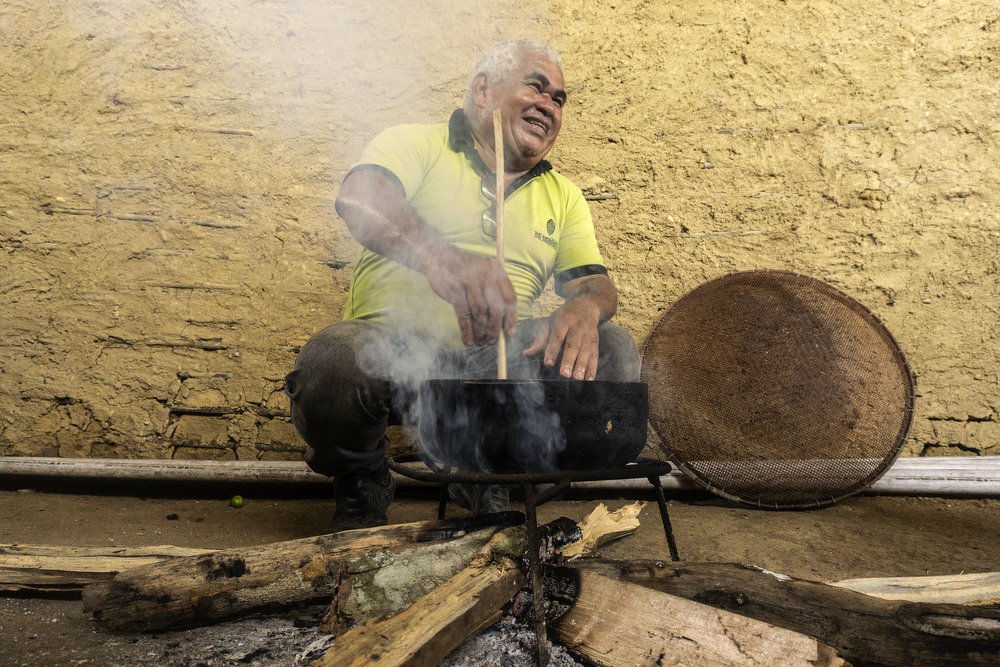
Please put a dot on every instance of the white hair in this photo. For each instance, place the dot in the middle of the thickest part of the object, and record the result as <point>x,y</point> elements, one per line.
<point>499,62</point>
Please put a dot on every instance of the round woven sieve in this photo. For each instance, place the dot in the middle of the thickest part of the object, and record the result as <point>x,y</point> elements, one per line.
<point>777,390</point>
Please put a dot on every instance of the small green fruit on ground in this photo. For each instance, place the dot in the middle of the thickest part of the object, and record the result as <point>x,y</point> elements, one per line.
<point>236,501</point>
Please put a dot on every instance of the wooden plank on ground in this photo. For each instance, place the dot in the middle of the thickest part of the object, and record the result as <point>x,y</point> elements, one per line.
<point>618,624</point>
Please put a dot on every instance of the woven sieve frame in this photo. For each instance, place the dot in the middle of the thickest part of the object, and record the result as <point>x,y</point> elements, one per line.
<point>777,390</point>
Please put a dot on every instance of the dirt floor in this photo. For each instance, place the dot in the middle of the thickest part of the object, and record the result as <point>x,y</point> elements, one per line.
<point>859,537</point>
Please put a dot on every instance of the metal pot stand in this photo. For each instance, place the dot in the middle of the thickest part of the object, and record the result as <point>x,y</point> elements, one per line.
<point>557,482</point>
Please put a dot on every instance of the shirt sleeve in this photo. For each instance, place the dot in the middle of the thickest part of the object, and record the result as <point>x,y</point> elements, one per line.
<point>403,151</point>
<point>578,254</point>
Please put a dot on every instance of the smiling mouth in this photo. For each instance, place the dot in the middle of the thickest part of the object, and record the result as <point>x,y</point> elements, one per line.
<point>543,128</point>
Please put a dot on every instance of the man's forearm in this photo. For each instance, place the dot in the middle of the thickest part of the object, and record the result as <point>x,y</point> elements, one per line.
<point>597,290</point>
<point>379,217</point>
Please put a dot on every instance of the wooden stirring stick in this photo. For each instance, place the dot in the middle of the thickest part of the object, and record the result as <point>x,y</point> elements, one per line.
<point>499,166</point>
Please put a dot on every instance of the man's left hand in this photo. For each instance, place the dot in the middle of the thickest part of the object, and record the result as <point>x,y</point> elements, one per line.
<point>571,329</point>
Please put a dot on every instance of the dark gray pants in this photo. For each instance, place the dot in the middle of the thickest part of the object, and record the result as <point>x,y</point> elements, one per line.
<point>355,378</point>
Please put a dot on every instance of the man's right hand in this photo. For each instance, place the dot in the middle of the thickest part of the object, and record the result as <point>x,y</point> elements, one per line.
<point>479,290</point>
<point>477,287</point>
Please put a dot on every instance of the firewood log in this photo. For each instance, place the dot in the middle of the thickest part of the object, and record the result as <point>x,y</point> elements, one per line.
<point>386,585</point>
<point>193,590</point>
<point>862,628</point>
<point>971,588</point>
<point>437,623</point>
<point>614,623</point>
<point>38,568</point>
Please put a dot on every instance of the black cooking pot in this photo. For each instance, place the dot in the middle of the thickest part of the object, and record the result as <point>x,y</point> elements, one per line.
<point>506,426</point>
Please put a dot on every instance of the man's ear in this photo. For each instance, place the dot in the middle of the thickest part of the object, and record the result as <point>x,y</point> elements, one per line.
<point>479,86</point>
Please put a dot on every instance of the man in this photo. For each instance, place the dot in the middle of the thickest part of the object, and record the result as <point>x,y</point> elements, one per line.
<point>429,298</point>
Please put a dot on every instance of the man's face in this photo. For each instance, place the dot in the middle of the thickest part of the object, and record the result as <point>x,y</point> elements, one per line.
<point>531,100</point>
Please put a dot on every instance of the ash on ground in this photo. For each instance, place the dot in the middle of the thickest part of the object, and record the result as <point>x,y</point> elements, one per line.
<point>506,644</point>
<point>294,638</point>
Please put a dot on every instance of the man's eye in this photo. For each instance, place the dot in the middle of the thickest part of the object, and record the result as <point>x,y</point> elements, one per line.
<point>537,86</point>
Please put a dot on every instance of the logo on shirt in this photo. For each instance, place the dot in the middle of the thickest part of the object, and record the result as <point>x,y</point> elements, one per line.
<point>550,227</point>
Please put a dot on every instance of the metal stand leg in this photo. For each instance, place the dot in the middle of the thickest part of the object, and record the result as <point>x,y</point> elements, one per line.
<point>538,596</point>
<point>443,502</point>
<point>661,501</point>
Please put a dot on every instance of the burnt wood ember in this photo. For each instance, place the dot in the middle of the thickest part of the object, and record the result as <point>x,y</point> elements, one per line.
<point>554,535</point>
<point>561,586</point>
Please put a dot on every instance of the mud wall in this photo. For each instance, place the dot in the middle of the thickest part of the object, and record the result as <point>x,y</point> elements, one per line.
<point>167,173</point>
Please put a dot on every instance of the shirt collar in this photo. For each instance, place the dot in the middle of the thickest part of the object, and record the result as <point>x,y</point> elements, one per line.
<point>460,140</point>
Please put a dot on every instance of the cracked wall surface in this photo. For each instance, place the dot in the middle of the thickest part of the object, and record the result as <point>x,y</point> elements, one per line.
<point>167,174</point>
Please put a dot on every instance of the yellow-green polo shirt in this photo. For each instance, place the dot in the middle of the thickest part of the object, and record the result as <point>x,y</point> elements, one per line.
<point>547,227</point>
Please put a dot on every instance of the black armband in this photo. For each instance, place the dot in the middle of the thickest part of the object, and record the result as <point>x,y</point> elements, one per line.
<point>564,277</point>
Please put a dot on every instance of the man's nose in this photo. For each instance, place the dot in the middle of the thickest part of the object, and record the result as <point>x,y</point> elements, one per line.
<point>546,105</point>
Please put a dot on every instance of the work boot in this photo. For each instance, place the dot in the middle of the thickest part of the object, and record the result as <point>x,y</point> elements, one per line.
<point>362,499</point>
<point>481,498</point>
